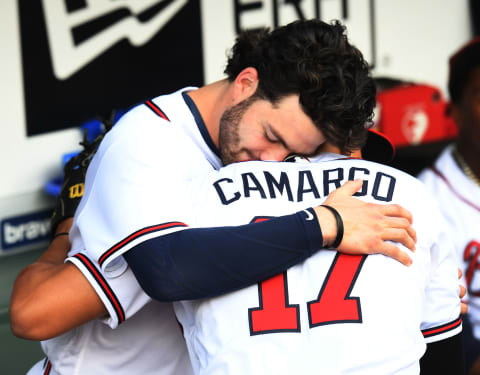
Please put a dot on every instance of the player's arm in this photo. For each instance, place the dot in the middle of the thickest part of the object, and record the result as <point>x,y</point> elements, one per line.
<point>205,262</point>
<point>50,297</point>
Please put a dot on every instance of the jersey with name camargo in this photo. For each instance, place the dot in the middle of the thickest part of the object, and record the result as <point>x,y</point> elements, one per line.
<point>333,313</point>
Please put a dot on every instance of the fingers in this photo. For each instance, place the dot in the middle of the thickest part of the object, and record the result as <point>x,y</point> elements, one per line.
<point>394,252</point>
<point>463,291</point>
<point>369,227</point>
<point>349,187</point>
<point>403,233</point>
<point>397,211</point>
<point>401,236</point>
<point>412,234</point>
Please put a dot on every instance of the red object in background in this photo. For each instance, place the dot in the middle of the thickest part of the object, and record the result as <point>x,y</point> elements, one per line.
<point>413,114</point>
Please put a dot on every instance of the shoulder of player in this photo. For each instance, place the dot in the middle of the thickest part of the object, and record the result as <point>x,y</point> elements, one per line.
<point>164,111</point>
<point>409,190</point>
<point>372,166</point>
<point>125,152</point>
<point>141,118</point>
<point>141,128</point>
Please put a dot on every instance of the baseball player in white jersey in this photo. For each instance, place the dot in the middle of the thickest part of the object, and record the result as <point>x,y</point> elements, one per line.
<point>454,180</point>
<point>134,192</point>
<point>448,183</point>
<point>333,313</point>
<point>145,338</point>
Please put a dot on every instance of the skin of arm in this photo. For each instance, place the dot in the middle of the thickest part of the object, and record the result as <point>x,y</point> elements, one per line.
<point>50,297</point>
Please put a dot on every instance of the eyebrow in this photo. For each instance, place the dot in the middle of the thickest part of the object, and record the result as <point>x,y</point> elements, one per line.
<point>277,135</point>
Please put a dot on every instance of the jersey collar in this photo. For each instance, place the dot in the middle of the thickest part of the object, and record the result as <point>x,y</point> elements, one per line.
<point>200,123</point>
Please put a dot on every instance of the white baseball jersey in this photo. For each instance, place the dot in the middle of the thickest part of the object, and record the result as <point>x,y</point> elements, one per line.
<point>132,182</point>
<point>459,201</point>
<point>333,313</point>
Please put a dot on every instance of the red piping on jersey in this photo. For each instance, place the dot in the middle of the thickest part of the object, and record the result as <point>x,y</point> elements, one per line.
<point>156,109</point>
<point>48,368</point>
<point>135,235</point>
<point>459,196</point>
<point>472,263</point>
<point>106,289</point>
<point>437,330</point>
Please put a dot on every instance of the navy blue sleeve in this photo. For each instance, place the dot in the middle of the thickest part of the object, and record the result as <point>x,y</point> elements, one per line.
<point>206,262</point>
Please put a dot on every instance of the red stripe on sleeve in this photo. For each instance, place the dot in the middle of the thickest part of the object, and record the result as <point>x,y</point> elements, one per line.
<point>103,284</point>
<point>135,235</point>
<point>447,327</point>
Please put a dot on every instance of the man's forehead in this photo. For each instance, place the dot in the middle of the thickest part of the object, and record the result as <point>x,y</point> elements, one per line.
<point>298,126</point>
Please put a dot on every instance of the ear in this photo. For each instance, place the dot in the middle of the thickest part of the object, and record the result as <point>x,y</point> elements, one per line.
<point>245,85</point>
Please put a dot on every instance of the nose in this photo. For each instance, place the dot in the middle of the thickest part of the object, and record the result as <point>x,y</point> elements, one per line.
<point>274,154</point>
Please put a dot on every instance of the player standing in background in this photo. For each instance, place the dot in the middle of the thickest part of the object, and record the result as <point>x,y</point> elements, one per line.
<point>133,193</point>
<point>454,180</point>
<point>334,313</point>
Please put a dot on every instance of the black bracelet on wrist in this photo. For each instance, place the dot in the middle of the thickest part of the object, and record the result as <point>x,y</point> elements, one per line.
<point>60,234</point>
<point>339,220</point>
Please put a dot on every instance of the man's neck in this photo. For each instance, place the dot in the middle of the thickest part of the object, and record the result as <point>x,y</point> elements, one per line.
<point>470,156</point>
<point>212,100</point>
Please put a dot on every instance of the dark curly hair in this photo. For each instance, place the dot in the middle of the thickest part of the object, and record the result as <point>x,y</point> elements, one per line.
<point>315,60</point>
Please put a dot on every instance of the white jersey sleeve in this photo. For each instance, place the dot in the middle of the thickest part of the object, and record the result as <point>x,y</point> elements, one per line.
<point>121,295</point>
<point>132,190</point>
<point>440,314</point>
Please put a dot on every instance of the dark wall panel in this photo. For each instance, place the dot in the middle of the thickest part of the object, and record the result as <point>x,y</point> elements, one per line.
<point>119,77</point>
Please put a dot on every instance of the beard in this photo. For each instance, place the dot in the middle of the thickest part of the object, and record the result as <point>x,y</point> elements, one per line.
<point>229,139</point>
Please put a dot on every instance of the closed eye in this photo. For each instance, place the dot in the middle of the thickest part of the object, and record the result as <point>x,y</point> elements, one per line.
<point>272,136</point>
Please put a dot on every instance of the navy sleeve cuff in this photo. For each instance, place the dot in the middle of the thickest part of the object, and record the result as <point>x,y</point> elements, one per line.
<point>312,229</point>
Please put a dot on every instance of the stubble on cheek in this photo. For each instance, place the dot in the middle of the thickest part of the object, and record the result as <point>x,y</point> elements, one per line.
<point>228,142</point>
<point>229,138</point>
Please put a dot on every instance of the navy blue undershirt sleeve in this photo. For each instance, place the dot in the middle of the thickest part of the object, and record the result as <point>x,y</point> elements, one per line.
<point>206,262</point>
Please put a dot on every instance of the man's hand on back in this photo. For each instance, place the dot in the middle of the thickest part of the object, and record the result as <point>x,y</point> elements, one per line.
<point>367,226</point>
